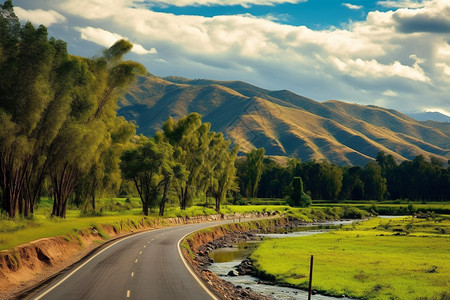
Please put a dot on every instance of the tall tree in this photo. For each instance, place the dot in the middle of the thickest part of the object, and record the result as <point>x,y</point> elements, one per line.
<point>224,173</point>
<point>34,90</point>
<point>254,169</point>
<point>298,196</point>
<point>92,117</point>
<point>374,182</point>
<point>143,166</point>
<point>55,109</point>
<point>190,140</point>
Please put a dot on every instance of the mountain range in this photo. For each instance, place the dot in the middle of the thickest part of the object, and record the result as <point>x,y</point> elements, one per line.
<point>284,123</point>
<point>430,116</point>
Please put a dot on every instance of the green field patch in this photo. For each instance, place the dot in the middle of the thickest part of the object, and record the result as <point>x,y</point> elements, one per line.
<point>369,260</point>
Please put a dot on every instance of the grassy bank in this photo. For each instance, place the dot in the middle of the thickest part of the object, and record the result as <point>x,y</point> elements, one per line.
<point>118,212</point>
<point>391,208</point>
<point>404,258</point>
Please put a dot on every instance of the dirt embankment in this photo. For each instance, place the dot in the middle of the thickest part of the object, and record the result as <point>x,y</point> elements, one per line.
<point>197,246</point>
<point>26,266</point>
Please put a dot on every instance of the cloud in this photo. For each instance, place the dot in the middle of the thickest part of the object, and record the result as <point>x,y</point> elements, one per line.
<point>372,68</point>
<point>439,110</point>
<point>40,16</point>
<point>433,17</point>
<point>107,39</point>
<point>390,93</point>
<point>352,6</point>
<point>401,3</point>
<point>244,3</point>
<point>371,61</point>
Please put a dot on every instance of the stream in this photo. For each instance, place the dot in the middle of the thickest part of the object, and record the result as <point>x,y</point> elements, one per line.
<point>225,260</point>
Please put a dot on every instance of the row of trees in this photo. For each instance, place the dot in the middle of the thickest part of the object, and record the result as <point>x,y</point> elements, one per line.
<point>59,133</point>
<point>381,179</point>
<point>186,159</point>
<point>58,120</point>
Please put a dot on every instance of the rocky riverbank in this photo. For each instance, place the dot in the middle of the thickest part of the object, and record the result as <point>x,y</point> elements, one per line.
<point>198,246</point>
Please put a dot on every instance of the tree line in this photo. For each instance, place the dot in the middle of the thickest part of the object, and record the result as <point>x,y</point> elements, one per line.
<point>60,135</point>
<point>58,120</point>
<point>186,159</point>
<point>381,179</point>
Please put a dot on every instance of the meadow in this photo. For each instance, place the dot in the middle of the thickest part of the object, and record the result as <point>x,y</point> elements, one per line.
<point>400,258</point>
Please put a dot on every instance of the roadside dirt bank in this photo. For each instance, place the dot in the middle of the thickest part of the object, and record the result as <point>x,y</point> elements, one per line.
<point>197,246</point>
<point>26,267</point>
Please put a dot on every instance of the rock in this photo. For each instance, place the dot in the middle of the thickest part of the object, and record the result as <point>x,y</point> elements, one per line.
<point>233,273</point>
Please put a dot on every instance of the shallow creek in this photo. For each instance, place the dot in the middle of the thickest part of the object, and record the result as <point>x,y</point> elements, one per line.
<point>225,260</point>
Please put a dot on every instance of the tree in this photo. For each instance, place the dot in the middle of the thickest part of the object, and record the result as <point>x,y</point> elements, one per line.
<point>253,170</point>
<point>298,196</point>
<point>374,182</point>
<point>35,91</point>
<point>190,140</point>
<point>104,176</point>
<point>143,166</point>
<point>224,176</point>
<point>56,112</point>
<point>91,120</point>
<point>352,185</point>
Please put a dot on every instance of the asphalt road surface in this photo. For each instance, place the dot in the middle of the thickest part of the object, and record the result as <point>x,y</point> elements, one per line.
<point>146,265</point>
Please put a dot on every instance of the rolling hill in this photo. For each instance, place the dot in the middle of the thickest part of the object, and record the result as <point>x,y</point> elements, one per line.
<point>284,123</point>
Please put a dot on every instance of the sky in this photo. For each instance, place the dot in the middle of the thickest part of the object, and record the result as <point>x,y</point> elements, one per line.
<point>394,54</point>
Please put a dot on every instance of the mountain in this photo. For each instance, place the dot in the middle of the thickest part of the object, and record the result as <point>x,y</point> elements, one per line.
<point>284,123</point>
<point>430,116</point>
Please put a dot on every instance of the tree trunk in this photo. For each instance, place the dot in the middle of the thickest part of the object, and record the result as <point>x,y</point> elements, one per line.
<point>217,204</point>
<point>12,180</point>
<point>184,199</point>
<point>93,202</point>
<point>145,207</point>
<point>162,205</point>
<point>63,182</point>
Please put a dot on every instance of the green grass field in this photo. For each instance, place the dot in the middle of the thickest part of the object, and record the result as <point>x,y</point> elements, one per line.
<point>404,258</point>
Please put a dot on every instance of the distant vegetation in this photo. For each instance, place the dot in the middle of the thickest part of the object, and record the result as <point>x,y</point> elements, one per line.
<point>404,258</point>
<point>383,179</point>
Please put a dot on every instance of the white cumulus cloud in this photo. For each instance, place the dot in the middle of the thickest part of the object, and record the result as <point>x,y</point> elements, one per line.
<point>352,6</point>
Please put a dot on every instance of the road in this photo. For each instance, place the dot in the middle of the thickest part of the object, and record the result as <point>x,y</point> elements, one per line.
<point>146,265</point>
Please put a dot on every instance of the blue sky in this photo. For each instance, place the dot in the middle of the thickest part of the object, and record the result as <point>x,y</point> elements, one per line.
<point>394,54</point>
<point>316,14</point>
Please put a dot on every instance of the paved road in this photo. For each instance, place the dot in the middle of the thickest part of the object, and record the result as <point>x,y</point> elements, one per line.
<point>143,266</point>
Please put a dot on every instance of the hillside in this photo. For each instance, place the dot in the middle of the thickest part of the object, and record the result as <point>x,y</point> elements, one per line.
<point>284,123</point>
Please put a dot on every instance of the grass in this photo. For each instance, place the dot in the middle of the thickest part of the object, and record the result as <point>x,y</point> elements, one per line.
<point>41,227</point>
<point>117,211</point>
<point>404,258</point>
<point>391,207</point>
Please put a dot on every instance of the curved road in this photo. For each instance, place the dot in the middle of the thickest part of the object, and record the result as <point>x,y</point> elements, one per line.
<point>146,265</point>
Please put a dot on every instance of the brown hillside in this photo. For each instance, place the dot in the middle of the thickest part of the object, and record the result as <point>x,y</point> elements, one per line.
<point>284,123</point>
